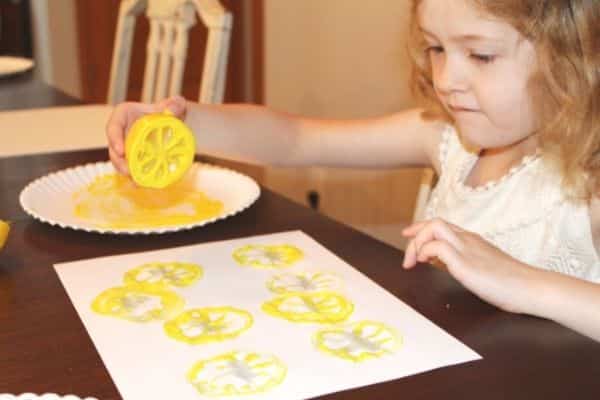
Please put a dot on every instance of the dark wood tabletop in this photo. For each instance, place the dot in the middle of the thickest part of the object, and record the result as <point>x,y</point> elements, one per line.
<point>24,90</point>
<point>44,346</point>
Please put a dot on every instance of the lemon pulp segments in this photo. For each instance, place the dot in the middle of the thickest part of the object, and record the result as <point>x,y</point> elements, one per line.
<point>160,149</point>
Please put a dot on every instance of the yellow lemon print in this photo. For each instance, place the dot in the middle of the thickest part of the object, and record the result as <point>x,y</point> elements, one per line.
<point>237,373</point>
<point>318,307</point>
<point>359,341</point>
<point>210,324</point>
<point>267,257</point>
<point>114,201</point>
<point>166,273</point>
<point>138,303</point>
<point>304,282</point>
<point>159,148</point>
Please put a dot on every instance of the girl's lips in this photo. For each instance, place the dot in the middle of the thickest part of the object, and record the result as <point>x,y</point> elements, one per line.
<point>461,109</point>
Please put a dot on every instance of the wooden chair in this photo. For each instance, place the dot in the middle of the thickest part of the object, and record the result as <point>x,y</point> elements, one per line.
<point>425,187</point>
<point>170,21</point>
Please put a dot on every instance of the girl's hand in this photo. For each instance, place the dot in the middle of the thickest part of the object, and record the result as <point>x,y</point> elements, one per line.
<point>124,115</point>
<point>485,270</point>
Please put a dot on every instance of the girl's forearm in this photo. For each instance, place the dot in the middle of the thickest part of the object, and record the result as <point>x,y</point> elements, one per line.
<point>572,302</point>
<point>249,133</point>
<point>259,135</point>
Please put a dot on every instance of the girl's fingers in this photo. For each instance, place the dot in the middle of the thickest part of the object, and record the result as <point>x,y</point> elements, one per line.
<point>175,104</point>
<point>417,226</point>
<point>437,229</point>
<point>115,129</point>
<point>439,249</point>
<point>115,134</point>
<point>122,116</point>
<point>414,228</point>
<point>423,233</point>
<point>118,161</point>
<point>410,256</point>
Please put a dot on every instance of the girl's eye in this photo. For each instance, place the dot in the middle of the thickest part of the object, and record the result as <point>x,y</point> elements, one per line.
<point>434,49</point>
<point>483,58</point>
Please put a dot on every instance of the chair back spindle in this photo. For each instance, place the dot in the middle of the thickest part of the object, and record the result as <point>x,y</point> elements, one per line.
<point>167,45</point>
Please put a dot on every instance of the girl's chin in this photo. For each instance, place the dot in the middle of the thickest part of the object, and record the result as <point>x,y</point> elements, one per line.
<point>478,140</point>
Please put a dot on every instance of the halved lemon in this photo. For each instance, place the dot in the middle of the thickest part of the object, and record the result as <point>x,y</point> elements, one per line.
<point>160,149</point>
<point>4,229</point>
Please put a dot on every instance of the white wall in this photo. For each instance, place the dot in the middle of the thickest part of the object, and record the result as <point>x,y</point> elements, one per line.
<point>342,59</point>
<point>55,45</point>
<point>336,58</point>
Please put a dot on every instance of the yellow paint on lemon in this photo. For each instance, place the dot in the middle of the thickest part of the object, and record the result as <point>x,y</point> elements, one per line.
<point>114,201</point>
<point>159,149</point>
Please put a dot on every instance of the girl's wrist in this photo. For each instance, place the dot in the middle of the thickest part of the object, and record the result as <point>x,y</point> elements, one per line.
<point>526,289</point>
<point>541,293</point>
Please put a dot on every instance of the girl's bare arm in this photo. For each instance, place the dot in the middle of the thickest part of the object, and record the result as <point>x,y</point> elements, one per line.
<point>260,135</point>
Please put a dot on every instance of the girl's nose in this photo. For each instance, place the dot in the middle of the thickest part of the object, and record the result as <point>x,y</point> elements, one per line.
<point>449,76</point>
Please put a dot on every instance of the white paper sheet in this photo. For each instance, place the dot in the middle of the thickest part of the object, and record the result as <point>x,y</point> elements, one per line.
<point>147,364</point>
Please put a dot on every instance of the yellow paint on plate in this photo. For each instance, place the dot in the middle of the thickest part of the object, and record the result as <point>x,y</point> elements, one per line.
<point>113,201</point>
<point>210,324</point>
<point>167,273</point>
<point>267,256</point>
<point>237,373</point>
<point>359,341</point>
<point>318,307</point>
<point>142,302</point>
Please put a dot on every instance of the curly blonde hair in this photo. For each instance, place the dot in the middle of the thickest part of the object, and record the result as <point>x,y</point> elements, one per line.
<point>565,90</point>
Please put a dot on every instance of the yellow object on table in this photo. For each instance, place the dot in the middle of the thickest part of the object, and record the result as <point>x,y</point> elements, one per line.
<point>160,148</point>
<point>4,229</point>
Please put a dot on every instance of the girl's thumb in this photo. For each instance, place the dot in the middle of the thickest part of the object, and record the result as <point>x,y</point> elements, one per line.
<point>176,105</point>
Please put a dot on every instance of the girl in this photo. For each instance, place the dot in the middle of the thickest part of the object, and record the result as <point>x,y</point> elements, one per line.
<point>512,128</point>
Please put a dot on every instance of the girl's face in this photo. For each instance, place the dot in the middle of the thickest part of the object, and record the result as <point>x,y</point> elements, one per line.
<point>481,68</point>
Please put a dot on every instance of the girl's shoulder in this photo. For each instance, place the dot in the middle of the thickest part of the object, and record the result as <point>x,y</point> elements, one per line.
<point>450,151</point>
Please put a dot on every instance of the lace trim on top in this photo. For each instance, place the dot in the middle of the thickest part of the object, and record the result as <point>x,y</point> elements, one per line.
<point>471,159</point>
<point>539,227</point>
<point>451,147</point>
<point>467,167</point>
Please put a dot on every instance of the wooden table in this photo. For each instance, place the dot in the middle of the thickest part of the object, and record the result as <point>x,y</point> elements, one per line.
<point>44,346</point>
<point>25,91</point>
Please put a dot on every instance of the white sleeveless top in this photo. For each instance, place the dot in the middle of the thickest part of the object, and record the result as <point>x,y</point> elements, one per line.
<point>525,213</point>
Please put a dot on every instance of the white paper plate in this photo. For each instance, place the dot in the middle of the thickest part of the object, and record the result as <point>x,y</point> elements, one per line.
<point>45,396</point>
<point>14,65</point>
<point>49,199</point>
